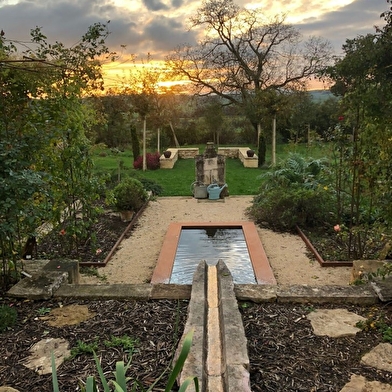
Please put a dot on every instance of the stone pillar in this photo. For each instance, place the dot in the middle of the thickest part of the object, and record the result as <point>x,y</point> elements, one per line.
<point>210,167</point>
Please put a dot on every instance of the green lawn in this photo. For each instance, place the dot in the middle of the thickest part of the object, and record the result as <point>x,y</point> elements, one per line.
<point>178,181</point>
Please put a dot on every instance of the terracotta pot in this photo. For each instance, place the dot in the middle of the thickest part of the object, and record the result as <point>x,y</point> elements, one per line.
<point>167,154</point>
<point>126,216</point>
<point>250,153</point>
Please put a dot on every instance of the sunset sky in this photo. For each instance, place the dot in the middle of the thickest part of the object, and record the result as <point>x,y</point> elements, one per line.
<point>158,26</point>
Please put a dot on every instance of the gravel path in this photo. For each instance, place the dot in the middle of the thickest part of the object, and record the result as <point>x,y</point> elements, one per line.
<point>136,258</point>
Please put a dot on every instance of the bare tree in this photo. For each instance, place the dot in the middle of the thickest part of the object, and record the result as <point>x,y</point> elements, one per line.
<point>242,55</point>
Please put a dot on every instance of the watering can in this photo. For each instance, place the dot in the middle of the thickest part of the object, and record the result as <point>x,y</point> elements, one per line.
<point>214,191</point>
<point>199,190</point>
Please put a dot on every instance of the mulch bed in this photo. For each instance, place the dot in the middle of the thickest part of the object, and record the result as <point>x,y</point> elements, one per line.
<point>284,353</point>
<point>156,325</point>
<point>107,230</point>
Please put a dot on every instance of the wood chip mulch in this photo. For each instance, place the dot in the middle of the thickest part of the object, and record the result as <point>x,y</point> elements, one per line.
<point>285,355</point>
<point>156,325</point>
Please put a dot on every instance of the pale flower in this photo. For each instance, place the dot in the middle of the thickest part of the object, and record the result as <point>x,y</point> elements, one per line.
<point>337,228</point>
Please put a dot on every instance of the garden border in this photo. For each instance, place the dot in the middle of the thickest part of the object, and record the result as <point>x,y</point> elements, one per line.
<point>318,256</point>
<point>117,244</point>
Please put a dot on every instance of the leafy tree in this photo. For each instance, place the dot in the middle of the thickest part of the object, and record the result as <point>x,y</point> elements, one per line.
<point>243,55</point>
<point>363,80</point>
<point>45,162</point>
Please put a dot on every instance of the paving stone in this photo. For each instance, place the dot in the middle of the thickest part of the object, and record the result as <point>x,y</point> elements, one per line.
<point>380,357</point>
<point>8,389</point>
<point>40,358</point>
<point>334,322</point>
<point>361,384</point>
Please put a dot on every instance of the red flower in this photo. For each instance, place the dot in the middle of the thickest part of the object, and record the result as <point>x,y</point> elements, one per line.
<point>341,118</point>
<point>62,232</point>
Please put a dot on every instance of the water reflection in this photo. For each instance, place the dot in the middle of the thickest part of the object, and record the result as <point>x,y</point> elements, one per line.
<point>211,244</point>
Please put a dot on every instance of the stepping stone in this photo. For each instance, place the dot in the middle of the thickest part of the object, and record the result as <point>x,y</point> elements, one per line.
<point>40,358</point>
<point>360,384</point>
<point>334,322</point>
<point>379,357</point>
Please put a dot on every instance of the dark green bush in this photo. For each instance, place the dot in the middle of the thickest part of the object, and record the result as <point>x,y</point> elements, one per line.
<point>129,194</point>
<point>151,185</point>
<point>294,193</point>
<point>282,209</point>
<point>8,317</point>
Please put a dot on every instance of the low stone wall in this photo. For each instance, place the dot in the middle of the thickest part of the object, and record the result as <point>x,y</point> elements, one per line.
<point>183,153</point>
<point>168,163</point>
<point>188,153</point>
<point>229,152</point>
<point>247,161</point>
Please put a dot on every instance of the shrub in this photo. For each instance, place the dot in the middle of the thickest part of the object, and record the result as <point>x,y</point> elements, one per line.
<point>8,317</point>
<point>129,194</point>
<point>283,209</point>
<point>152,161</point>
<point>151,185</point>
<point>293,194</point>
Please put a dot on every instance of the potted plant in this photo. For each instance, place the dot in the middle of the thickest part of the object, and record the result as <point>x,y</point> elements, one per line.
<point>128,197</point>
<point>167,153</point>
<point>250,153</point>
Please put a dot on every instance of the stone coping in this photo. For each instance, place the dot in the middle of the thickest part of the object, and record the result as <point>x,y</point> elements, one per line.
<point>356,295</point>
<point>261,266</point>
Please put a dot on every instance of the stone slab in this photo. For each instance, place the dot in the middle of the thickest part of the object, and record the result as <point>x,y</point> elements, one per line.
<point>114,291</point>
<point>256,293</point>
<point>334,323</point>
<point>361,384</point>
<point>69,266</point>
<point>40,286</point>
<point>383,288</point>
<point>356,295</point>
<point>380,357</point>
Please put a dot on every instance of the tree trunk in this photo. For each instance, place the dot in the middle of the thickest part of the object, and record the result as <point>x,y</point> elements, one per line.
<point>273,153</point>
<point>144,144</point>
<point>261,147</point>
<point>159,140</point>
<point>174,135</point>
<point>262,150</point>
<point>135,143</point>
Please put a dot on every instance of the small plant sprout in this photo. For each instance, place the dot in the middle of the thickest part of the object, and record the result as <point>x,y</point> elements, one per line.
<point>42,311</point>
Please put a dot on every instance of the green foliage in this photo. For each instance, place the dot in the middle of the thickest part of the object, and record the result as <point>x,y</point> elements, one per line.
<point>376,320</point>
<point>282,209</point>
<point>363,184</point>
<point>129,194</point>
<point>151,185</point>
<point>126,342</point>
<point>42,311</point>
<point>295,170</point>
<point>121,380</point>
<point>292,195</point>
<point>8,317</point>
<point>46,170</point>
<point>84,348</point>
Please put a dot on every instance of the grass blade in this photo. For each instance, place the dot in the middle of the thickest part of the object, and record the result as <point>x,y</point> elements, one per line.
<point>91,385</point>
<point>54,374</point>
<point>186,346</point>
<point>188,381</point>
<point>101,375</point>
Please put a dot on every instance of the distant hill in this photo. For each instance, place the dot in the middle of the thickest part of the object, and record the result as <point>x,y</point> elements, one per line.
<point>321,95</point>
